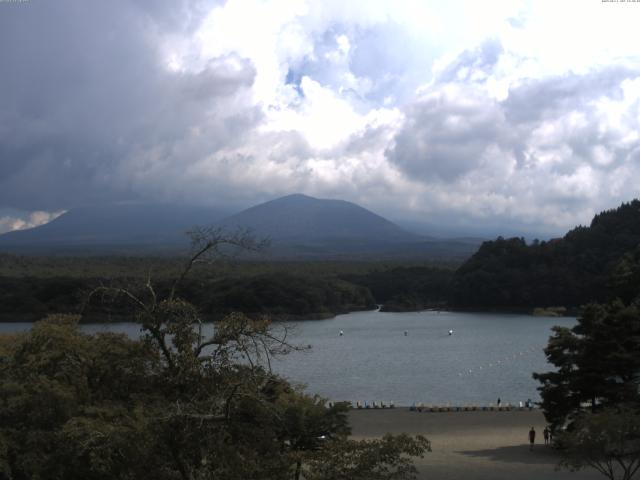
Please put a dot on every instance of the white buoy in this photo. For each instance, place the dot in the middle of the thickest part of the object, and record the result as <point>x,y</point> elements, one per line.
<point>341,333</point>
<point>450,332</point>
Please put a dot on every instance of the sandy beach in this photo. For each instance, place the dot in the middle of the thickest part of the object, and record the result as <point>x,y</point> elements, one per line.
<point>471,445</point>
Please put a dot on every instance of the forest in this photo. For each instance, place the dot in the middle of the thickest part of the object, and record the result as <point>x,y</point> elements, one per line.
<point>589,264</point>
<point>592,263</point>
<point>31,287</point>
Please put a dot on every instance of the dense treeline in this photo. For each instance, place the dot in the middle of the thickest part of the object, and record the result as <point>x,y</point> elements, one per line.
<point>30,298</point>
<point>407,288</point>
<point>296,290</point>
<point>282,295</point>
<point>278,295</point>
<point>581,267</point>
<point>167,267</point>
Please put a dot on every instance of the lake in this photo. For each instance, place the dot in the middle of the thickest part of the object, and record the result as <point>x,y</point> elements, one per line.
<point>488,356</point>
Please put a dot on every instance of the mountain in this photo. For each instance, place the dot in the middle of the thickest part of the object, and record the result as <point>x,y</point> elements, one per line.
<point>299,218</point>
<point>299,227</point>
<point>115,228</point>
<point>588,264</point>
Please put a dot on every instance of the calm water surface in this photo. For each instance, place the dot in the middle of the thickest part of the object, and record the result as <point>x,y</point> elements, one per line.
<point>488,356</point>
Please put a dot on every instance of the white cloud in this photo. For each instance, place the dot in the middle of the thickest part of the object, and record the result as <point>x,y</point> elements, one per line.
<point>547,151</point>
<point>9,223</point>
<point>496,111</point>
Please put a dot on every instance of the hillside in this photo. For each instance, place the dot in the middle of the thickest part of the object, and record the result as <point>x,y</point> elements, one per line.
<point>585,265</point>
<point>113,228</point>
<point>304,227</point>
<point>299,227</point>
<point>299,218</point>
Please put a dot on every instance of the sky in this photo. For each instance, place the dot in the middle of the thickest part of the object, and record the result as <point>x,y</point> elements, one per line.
<point>469,116</point>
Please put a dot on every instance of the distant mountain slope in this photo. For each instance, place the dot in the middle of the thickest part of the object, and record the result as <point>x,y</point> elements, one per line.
<point>303,227</point>
<point>113,227</point>
<point>299,218</point>
<point>299,227</point>
<point>571,271</point>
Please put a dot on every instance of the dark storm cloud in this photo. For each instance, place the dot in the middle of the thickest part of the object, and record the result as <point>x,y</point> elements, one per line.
<point>176,15</point>
<point>444,137</point>
<point>449,128</point>
<point>222,76</point>
<point>85,90</point>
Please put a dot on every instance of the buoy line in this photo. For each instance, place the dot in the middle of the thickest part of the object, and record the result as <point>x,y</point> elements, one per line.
<point>497,363</point>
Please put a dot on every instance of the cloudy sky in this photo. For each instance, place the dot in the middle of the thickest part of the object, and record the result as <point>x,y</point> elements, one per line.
<point>501,116</point>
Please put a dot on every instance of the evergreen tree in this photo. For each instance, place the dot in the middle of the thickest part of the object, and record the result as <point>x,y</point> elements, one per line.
<point>598,364</point>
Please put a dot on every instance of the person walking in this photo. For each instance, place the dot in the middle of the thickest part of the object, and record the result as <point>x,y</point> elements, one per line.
<point>545,434</point>
<point>499,402</point>
<point>532,438</point>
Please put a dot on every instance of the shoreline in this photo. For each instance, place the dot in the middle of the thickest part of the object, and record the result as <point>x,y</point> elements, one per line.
<point>115,319</point>
<point>283,317</point>
<point>482,445</point>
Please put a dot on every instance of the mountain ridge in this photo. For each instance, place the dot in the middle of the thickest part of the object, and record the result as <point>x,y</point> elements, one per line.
<point>301,217</point>
<point>299,226</point>
<point>113,225</point>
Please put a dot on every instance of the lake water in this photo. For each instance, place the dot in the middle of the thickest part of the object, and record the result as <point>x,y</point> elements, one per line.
<point>488,356</point>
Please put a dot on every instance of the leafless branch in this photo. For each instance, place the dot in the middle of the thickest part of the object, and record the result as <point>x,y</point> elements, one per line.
<point>206,242</point>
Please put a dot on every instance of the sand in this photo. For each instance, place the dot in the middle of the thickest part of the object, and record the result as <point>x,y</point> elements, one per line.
<point>472,445</point>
